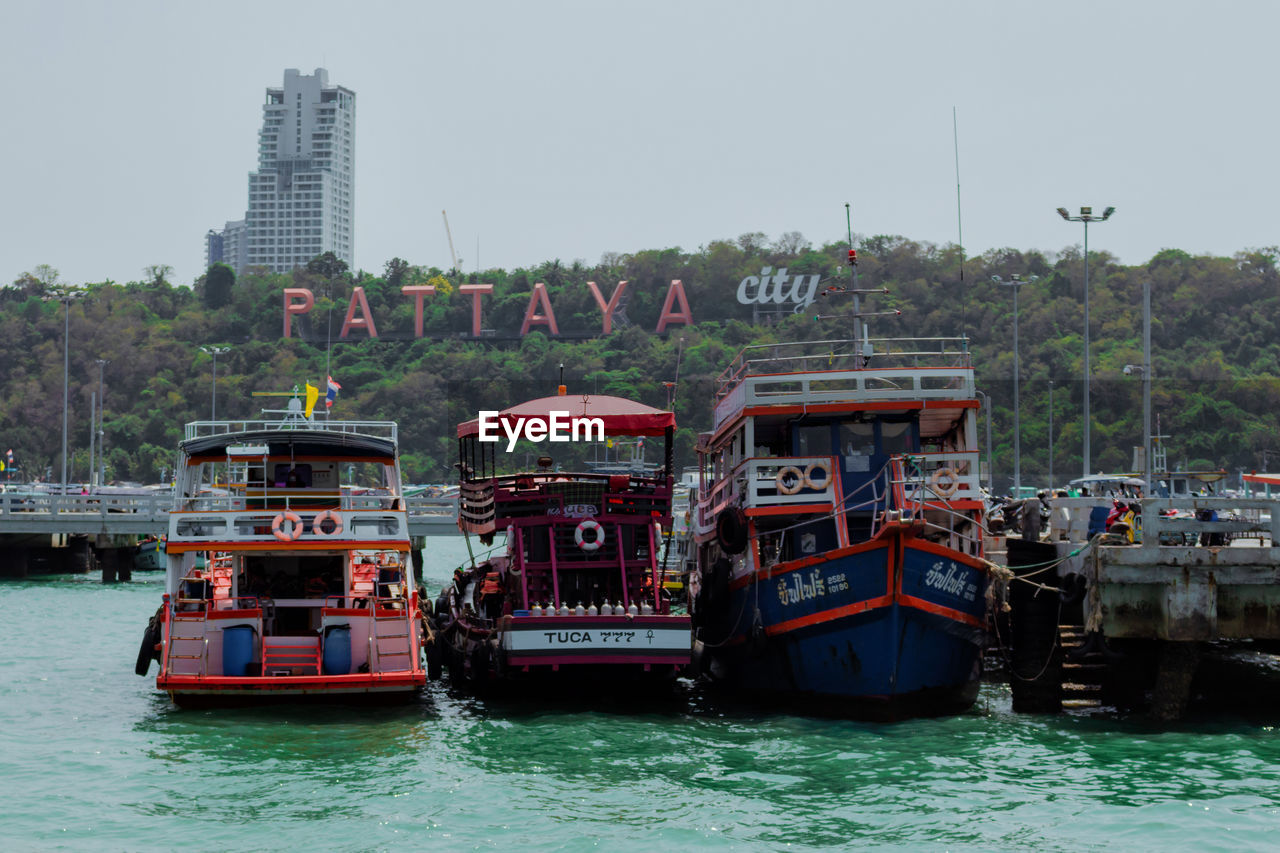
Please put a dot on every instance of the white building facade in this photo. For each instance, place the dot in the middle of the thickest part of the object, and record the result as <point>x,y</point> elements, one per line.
<point>301,198</point>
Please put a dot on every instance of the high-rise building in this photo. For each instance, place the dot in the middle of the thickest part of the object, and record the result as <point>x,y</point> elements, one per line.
<point>225,246</point>
<point>301,198</point>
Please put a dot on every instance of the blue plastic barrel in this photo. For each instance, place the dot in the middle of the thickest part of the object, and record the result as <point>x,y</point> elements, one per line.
<point>237,649</point>
<point>337,650</point>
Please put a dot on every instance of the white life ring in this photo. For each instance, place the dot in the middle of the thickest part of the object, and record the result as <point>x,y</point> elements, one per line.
<point>797,478</point>
<point>277,526</point>
<point>327,515</point>
<point>589,524</point>
<point>817,468</point>
<point>944,482</point>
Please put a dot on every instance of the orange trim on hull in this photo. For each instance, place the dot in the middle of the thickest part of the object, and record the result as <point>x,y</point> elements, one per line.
<point>248,685</point>
<point>942,551</point>
<point>939,610</point>
<point>804,562</point>
<point>829,615</point>
<point>789,509</point>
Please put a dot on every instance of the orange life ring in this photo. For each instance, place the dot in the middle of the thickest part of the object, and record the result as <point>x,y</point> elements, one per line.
<point>790,480</point>
<point>817,468</point>
<point>944,482</point>
<point>277,526</point>
<point>321,517</point>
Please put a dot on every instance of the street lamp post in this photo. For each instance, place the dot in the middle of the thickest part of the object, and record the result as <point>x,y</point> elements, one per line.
<point>102,433</point>
<point>1051,486</point>
<point>93,428</point>
<point>1145,370</point>
<point>66,298</point>
<point>1086,216</point>
<point>215,352</point>
<point>991,460</point>
<point>1016,281</point>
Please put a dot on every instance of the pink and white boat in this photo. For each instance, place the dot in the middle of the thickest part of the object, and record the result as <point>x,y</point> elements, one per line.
<point>577,590</point>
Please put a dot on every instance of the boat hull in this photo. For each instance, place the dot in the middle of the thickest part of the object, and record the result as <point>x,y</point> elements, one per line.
<point>891,626</point>
<point>213,691</point>
<point>605,646</point>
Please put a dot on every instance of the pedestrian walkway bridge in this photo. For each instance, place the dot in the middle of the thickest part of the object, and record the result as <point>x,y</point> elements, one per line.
<point>138,515</point>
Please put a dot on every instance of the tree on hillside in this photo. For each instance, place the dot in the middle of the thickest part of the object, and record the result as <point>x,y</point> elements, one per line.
<point>157,274</point>
<point>219,282</point>
<point>395,270</point>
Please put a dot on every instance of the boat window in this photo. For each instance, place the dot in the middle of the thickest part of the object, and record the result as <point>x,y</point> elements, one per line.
<point>292,476</point>
<point>814,440</point>
<point>896,437</point>
<point>857,439</point>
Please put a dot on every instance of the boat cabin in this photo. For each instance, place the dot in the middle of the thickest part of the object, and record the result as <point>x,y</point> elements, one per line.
<point>840,441</point>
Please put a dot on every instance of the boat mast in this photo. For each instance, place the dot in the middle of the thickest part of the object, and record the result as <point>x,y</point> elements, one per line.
<point>859,327</point>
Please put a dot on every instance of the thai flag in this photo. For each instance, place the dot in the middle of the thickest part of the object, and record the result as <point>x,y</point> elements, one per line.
<point>332,393</point>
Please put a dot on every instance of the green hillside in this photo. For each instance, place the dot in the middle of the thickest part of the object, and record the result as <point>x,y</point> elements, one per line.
<point>1216,347</point>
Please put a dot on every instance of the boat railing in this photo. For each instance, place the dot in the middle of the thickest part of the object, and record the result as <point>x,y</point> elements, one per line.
<point>581,495</point>
<point>927,502</point>
<point>880,382</point>
<point>790,480</point>
<point>287,525</point>
<point>1170,521</point>
<point>377,429</point>
<point>945,476</point>
<point>292,500</point>
<point>845,354</point>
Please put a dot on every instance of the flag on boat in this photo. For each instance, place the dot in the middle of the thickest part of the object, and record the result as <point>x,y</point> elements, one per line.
<point>332,394</point>
<point>313,394</point>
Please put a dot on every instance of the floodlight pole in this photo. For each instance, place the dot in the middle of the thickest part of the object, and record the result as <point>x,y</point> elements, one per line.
<point>1086,216</point>
<point>102,433</point>
<point>213,405</point>
<point>1016,282</point>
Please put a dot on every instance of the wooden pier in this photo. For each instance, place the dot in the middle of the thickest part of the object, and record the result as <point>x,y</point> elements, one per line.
<point>1138,615</point>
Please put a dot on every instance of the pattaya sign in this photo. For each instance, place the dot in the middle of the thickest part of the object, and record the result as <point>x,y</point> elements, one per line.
<point>778,288</point>
<point>300,300</point>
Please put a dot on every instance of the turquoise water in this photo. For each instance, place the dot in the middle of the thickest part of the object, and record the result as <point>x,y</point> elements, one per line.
<point>92,758</point>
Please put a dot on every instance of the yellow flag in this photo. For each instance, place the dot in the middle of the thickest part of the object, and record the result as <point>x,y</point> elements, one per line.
<point>313,394</point>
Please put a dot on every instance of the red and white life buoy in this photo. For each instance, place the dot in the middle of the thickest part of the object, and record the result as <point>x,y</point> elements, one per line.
<point>317,523</point>
<point>580,539</point>
<point>277,526</point>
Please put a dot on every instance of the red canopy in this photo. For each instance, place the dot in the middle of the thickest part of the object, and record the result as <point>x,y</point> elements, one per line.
<point>620,416</point>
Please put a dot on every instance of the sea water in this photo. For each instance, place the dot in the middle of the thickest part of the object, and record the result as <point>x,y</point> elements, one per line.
<point>93,758</point>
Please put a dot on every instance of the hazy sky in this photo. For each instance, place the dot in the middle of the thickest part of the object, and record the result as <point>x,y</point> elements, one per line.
<point>556,129</point>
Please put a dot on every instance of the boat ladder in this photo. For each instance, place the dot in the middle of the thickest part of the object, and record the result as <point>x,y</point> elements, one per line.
<point>187,642</point>
<point>280,655</point>
<point>391,644</point>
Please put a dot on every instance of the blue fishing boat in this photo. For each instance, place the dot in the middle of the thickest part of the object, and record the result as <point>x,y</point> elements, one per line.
<point>839,527</point>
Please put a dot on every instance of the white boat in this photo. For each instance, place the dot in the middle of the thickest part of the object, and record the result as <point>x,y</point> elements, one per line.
<point>307,590</point>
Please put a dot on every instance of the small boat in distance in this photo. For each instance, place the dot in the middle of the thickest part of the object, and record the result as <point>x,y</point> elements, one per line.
<point>280,583</point>
<point>577,591</point>
<point>839,528</point>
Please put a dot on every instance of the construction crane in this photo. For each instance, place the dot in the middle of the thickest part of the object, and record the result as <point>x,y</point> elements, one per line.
<point>457,262</point>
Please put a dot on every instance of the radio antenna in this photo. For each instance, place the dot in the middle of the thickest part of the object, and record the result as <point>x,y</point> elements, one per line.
<point>853,264</point>
<point>955,138</point>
